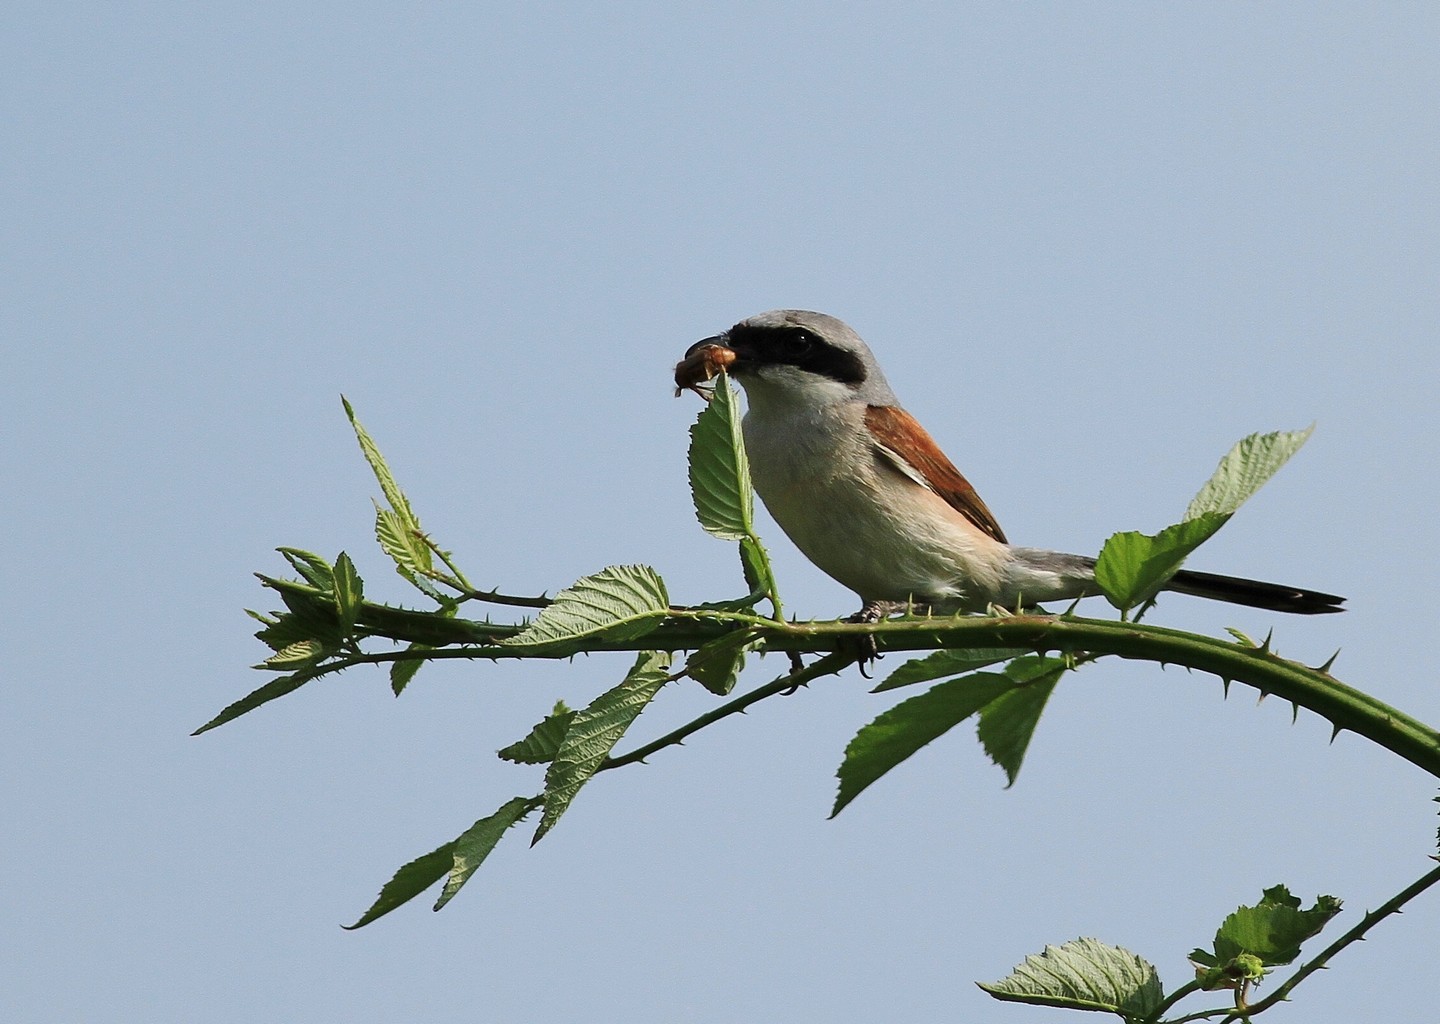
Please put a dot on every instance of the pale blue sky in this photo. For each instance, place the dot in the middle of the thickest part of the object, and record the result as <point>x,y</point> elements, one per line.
<point>1093,244</point>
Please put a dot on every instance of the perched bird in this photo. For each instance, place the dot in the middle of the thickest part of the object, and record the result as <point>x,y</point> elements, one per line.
<point>866,494</point>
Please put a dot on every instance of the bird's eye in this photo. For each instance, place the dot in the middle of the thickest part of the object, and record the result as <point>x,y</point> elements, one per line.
<point>799,341</point>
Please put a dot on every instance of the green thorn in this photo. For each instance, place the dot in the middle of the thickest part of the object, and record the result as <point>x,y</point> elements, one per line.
<point>1324,669</point>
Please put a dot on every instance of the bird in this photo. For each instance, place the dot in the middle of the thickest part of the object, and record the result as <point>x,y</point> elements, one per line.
<point>866,494</point>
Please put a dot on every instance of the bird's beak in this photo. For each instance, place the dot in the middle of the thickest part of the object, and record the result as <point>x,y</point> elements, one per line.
<point>703,360</point>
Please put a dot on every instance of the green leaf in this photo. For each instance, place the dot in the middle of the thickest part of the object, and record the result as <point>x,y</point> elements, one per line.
<point>317,572</point>
<point>542,743</point>
<point>275,688</point>
<point>595,730</point>
<point>943,664</point>
<point>720,487</point>
<point>401,672</point>
<point>475,844</point>
<point>393,495</point>
<point>1084,974</point>
<point>1008,721</point>
<point>397,528</point>
<point>283,630</point>
<point>909,725</point>
<point>759,577</point>
<point>312,611</point>
<point>401,542</point>
<point>1134,566</point>
<point>620,602</point>
<point>1244,470</point>
<point>410,881</point>
<point>349,592</point>
<point>719,470</point>
<point>302,652</point>
<point>716,665</point>
<point>1273,929</point>
<point>458,859</point>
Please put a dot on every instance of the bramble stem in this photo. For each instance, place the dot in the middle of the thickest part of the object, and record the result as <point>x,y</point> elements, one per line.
<point>830,664</point>
<point>1343,706</point>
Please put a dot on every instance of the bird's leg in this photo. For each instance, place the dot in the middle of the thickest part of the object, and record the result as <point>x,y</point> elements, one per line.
<point>797,665</point>
<point>872,613</point>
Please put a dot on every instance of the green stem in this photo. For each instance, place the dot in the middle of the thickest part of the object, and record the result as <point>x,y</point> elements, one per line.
<point>1180,993</point>
<point>1202,1015</point>
<point>829,665</point>
<point>495,597</point>
<point>1343,706</point>
<point>444,556</point>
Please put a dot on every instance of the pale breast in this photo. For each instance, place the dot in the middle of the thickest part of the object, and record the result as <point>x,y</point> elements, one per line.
<point>859,520</point>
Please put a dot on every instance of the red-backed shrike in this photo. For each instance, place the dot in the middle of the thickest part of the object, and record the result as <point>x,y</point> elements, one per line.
<point>866,494</point>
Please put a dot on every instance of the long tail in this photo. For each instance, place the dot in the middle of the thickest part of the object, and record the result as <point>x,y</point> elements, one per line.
<point>1041,575</point>
<point>1271,596</point>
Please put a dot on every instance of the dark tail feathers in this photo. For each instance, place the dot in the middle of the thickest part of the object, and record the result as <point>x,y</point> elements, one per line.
<point>1271,596</point>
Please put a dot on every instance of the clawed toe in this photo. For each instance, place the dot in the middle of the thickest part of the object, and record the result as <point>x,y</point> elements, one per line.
<point>873,612</point>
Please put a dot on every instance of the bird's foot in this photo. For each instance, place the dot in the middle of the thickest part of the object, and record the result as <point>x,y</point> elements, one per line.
<point>873,612</point>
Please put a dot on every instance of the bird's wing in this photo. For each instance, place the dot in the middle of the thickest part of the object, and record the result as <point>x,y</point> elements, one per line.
<point>910,450</point>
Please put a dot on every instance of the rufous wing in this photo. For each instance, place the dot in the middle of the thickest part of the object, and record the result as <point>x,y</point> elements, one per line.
<point>913,452</point>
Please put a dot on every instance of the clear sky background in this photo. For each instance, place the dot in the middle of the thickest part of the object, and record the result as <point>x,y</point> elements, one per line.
<point>1092,244</point>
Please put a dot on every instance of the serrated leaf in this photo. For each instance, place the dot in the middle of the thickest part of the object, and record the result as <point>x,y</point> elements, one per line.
<point>298,653</point>
<point>1244,470</point>
<point>909,725</point>
<point>1008,721</point>
<point>1133,566</point>
<point>393,495</point>
<point>759,577</point>
<point>719,470</point>
<point>401,672</point>
<point>306,594</point>
<point>543,741</point>
<point>312,611</point>
<point>620,602</point>
<point>397,527</point>
<point>317,572</point>
<point>1273,929</point>
<point>349,591</point>
<point>943,664</point>
<point>595,730</point>
<point>1084,974</point>
<point>717,664</point>
<point>410,881</point>
<point>410,554</point>
<point>475,844</point>
<point>284,630</point>
<point>274,689</point>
